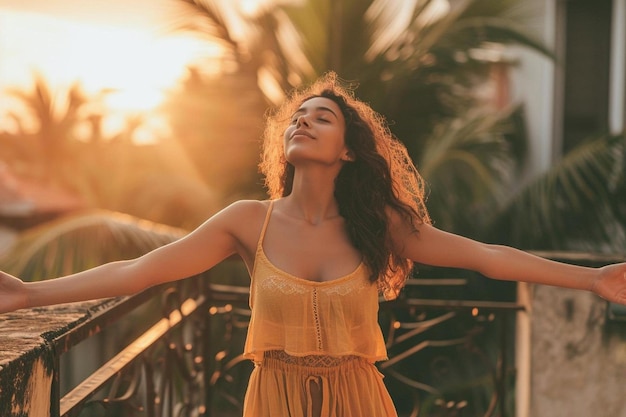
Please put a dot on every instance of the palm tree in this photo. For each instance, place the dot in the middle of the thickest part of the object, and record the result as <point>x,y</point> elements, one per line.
<point>218,123</point>
<point>423,75</point>
<point>420,73</point>
<point>417,63</point>
<point>468,163</point>
<point>59,134</point>
<point>60,143</point>
<point>55,118</point>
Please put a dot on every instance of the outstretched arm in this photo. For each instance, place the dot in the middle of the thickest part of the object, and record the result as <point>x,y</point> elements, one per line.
<point>200,250</point>
<point>438,248</point>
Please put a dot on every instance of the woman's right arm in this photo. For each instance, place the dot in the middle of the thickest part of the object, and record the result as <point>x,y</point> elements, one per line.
<point>213,241</point>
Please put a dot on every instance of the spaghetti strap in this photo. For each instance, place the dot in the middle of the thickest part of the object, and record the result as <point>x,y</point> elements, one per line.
<point>267,219</point>
<point>259,245</point>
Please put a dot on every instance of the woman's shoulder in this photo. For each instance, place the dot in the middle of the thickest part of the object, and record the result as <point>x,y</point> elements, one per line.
<point>248,207</point>
<point>244,221</point>
<point>243,213</point>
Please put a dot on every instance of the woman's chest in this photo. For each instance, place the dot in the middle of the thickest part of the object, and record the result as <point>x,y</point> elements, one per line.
<point>319,254</point>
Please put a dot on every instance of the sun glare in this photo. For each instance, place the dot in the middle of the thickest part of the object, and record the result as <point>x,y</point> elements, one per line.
<point>137,65</point>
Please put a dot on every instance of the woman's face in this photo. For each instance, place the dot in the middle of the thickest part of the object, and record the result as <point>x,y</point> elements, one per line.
<point>316,133</point>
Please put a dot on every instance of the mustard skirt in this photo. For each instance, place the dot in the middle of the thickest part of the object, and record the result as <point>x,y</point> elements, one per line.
<point>316,386</point>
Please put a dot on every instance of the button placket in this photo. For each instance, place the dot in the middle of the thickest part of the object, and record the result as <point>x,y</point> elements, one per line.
<point>316,318</point>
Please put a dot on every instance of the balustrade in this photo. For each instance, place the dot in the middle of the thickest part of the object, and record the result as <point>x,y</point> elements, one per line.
<point>450,341</point>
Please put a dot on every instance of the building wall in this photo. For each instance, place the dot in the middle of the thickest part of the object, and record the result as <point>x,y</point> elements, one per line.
<point>539,83</point>
<point>617,105</point>
<point>570,360</point>
<point>578,360</point>
<point>533,82</point>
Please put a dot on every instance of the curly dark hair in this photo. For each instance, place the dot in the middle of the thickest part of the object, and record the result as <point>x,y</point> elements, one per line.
<point>381,177</point>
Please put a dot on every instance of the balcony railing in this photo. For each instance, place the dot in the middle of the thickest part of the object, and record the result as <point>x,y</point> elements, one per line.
<point>175,350</point>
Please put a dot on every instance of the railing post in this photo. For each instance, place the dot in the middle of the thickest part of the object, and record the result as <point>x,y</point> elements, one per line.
<point>501,387</point>
<point>206,348</point>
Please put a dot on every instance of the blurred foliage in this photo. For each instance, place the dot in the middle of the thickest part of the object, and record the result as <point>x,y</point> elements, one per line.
<point>81,241</point>
<point>433,69</point>
<point>432,72</point>
<point>578,205</point>
<point>218,122</point>
<point>60,141</point>
<point>438,72</point>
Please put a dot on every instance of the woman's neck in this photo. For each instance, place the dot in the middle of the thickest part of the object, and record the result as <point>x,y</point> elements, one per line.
<point>312,198</point>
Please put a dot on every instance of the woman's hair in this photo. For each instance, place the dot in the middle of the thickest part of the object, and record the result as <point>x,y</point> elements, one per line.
<point>381,177</point>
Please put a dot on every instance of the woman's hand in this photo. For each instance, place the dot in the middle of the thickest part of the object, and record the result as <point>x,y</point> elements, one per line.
<point>611,283</point>
<point>12,293</point>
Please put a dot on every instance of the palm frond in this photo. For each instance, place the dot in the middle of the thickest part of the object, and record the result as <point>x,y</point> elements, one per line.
<point>576,203</point>
<point>468,164</point>
<point>81,241</point>
<point>471,32</point>
<point>205,18</point>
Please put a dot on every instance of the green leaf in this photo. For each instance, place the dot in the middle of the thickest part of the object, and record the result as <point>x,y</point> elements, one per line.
<point>82,241</point>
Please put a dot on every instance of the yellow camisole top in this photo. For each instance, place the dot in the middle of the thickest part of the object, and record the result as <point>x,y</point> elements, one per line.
<point>303,317</point>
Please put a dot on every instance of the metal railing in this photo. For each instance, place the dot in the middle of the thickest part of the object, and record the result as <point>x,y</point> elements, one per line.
<point>180,354</point>
<point>447,357</point>
<point>160,372</point>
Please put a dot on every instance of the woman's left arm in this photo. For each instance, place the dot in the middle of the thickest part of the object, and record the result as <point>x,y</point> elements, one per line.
<point>431,246</point>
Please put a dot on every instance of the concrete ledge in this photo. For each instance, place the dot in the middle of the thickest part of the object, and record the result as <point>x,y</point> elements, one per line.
<point>27,359</point>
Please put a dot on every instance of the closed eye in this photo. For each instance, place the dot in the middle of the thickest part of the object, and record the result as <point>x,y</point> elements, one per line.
<point>318,110</point>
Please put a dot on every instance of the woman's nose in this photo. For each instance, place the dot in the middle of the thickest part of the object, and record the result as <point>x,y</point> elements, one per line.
<point>302,120</point>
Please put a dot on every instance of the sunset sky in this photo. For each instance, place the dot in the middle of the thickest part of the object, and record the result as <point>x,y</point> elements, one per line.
<point>118,44</point>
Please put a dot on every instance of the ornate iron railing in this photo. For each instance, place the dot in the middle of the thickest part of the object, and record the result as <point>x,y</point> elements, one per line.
<point>448,357</point>
<point>159,372</point>
<point>178,351</point>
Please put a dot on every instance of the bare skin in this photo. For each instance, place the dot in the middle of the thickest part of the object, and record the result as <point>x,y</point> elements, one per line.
<point>306,237</point>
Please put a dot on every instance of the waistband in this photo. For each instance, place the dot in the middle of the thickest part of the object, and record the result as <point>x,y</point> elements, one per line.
<point>317,361</point>
<point>281,360</point>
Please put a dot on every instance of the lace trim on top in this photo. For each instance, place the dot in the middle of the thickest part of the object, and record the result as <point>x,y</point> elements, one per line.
<point>260,252</point>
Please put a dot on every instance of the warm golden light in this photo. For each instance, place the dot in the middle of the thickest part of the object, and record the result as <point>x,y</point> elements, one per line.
<point>138,65</point>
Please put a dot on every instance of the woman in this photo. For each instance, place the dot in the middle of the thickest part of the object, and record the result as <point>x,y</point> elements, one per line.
<point>345,223</point>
